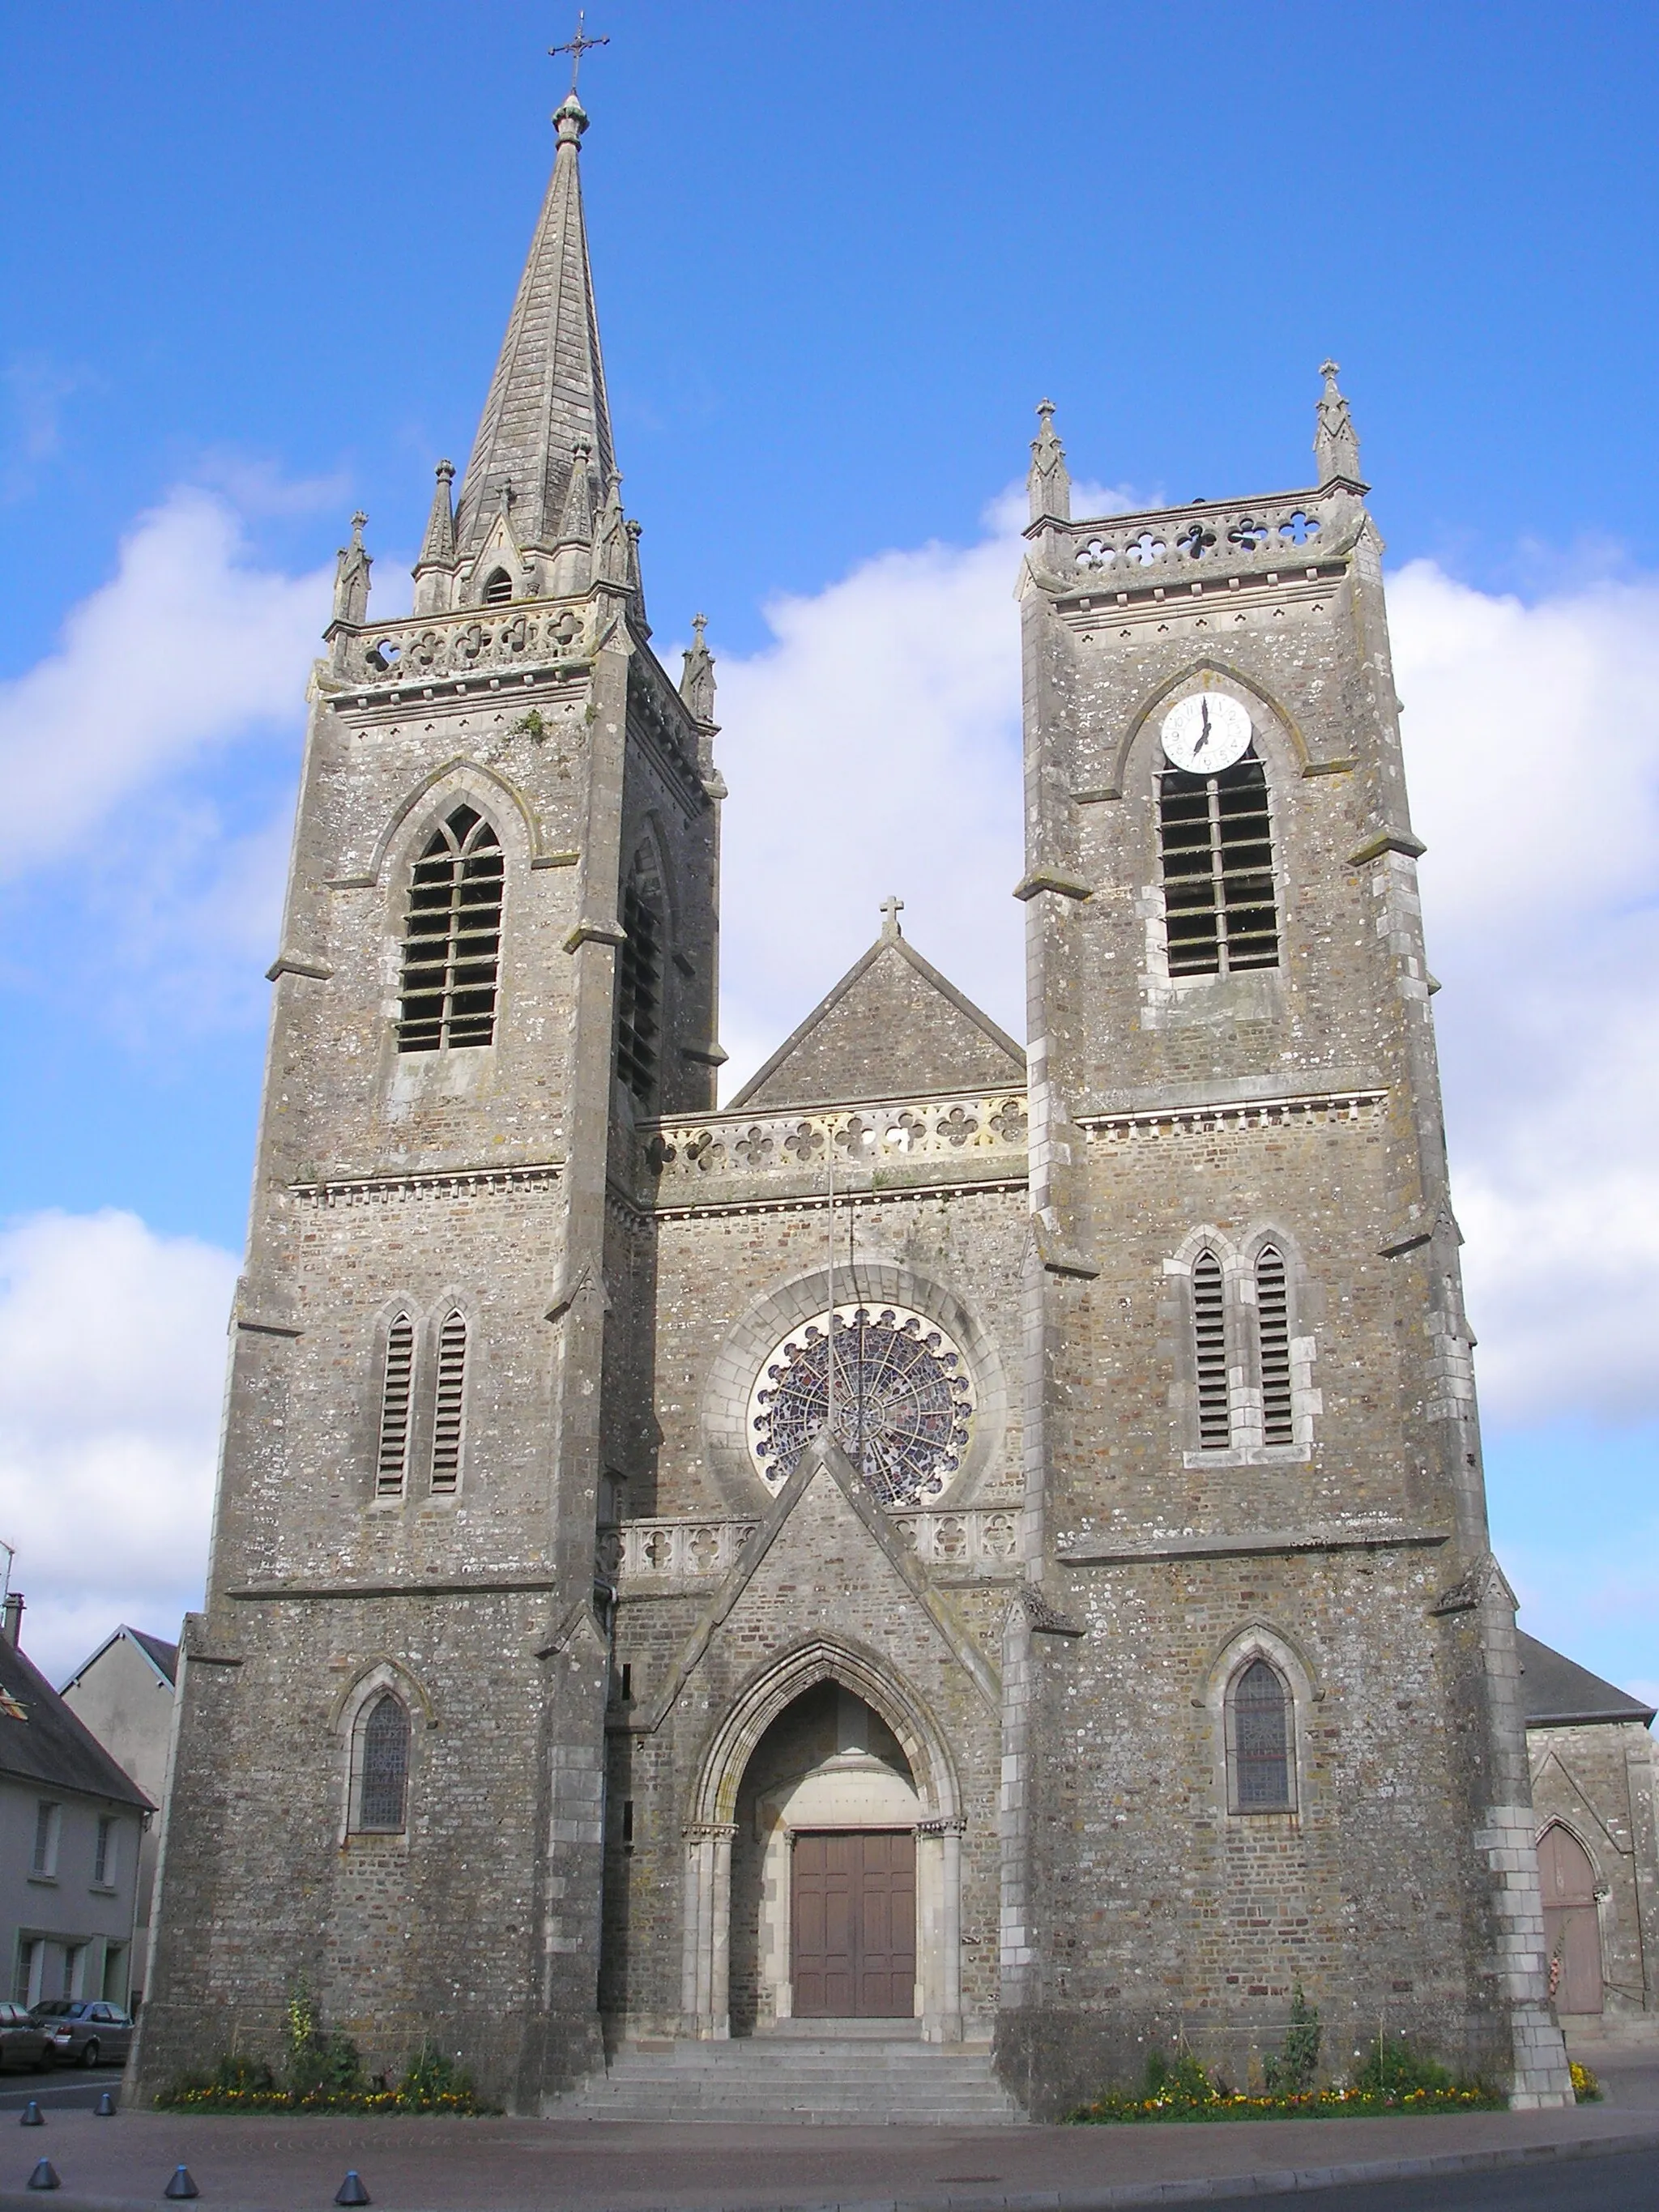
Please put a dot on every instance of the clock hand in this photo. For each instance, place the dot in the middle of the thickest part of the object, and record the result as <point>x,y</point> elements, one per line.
<point>1204,709</point>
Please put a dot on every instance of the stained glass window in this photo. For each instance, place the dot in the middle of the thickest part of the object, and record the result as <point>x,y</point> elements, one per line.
<point>1261,1745</point>
<point>904,1401</point>
<point>384,1783</point>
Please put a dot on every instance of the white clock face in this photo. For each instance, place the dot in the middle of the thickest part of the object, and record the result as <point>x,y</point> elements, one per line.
<point>1205,733</point>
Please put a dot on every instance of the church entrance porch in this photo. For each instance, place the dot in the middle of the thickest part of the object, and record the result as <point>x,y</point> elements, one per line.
<point>824,1863</point>
<point>853,1924</point>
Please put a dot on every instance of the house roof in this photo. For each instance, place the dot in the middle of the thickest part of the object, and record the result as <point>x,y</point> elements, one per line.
<point>42,1742</point>
<point>162,1655</point>
<point>892,1028</point>
<point>1557,1692</point>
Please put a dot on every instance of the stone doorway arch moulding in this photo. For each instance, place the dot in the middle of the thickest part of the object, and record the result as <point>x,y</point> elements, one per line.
<point>706,1969</point>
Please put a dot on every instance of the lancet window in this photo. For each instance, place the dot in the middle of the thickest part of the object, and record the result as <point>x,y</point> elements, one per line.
<point>1215,836</point>
<point>1259,1730</point>
<point>1210,1354</point>
<point>1272,1314</point>
<point>396,1399</point>
<point>498,588</point>
<point>639,990</point>
<point>453,938</point>
<point>449,1404</point>
<point>383,1766</point>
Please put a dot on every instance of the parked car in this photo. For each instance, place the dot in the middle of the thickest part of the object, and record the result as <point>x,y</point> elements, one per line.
<point>23,2040</point>
<point>85,2030</point>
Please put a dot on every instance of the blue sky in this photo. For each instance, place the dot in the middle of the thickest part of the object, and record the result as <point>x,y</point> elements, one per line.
<point>267,259</point>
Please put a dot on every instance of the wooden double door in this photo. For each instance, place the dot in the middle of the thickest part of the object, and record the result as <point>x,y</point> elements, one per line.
<point>852,1924</point>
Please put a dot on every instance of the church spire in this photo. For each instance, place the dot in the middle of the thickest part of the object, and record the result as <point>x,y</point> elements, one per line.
<point>1336,443</point>
<point>548,395</point>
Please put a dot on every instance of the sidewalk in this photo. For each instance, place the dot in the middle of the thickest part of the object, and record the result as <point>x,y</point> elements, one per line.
<point>524,2166</point>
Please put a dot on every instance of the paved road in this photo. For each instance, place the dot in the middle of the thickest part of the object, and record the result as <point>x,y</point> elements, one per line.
<point>1619,2184</point>
<point>59,2091</point>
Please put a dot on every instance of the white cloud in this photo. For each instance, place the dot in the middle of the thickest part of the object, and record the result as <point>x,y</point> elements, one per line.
<point>184,648</point>
<point>112,1366</point>
<point>1532,736</point>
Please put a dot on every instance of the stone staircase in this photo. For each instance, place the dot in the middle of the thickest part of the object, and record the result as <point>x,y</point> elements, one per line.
<point>824,2080</point>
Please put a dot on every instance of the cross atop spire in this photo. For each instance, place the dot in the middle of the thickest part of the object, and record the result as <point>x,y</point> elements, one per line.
<point>577,47</point>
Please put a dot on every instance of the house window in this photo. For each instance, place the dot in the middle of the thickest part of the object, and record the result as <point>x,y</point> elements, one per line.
<point>498,590</point>
<point>1216,840</point>
<point>103,1855</point>
<point>638,995</point>
<point>48,1825</point>
<point>1258,1714</point>
<point>74,1967</point>
<point>383,1781</point>
<point>397,1393</point>
<point>1273,1312</point>
<point>115,1972</point>
<point>452,938</point>
<point>26,1987</point>
<point>1209,1352</point>
<point>446,1414</point>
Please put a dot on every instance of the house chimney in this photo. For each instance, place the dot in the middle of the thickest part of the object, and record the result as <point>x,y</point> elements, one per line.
<point>11,1625</point>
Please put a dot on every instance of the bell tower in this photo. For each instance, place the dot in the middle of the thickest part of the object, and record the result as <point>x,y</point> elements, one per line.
<point>1252,1456</point>
<point>498,950</point>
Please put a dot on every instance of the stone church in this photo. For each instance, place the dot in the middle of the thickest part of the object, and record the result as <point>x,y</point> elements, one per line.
<point>967,1552</point>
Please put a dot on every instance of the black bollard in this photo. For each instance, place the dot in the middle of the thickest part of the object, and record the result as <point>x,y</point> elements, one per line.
<point>44,2176</point>
<point>181,2185</point>
<point>32,2116</point>
<point>104,2108</point>
<point>351,2191</point>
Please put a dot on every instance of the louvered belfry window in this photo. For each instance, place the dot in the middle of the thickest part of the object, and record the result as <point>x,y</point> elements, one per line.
<point>1261,1740</point>
<point>447,1409</point>
<point>639,996</point>
<point>383,1789</point>
<point>1210,1348</point>
<point>1273,1339</point>
<point>1216,839</point>
<point>397,1395</point>
<point>453,939</point>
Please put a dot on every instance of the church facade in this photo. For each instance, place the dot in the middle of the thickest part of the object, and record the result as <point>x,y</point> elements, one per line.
<point>982,1538</point>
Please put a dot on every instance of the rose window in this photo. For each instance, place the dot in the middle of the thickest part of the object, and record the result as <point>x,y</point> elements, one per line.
<point>904,1401</point>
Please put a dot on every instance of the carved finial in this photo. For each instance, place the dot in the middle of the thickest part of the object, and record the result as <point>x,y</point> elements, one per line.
<point>351,576</point>
<point>611,549</point>
<point>697,676</point>
<point>438,547</point>
<point>891,908</point>
<point>576,523</point>
<point>1048,484</point>
<point>1336,443</point>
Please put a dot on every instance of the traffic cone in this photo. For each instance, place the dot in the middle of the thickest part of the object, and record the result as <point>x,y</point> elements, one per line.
<point>351,2191</point>
<point>32,2116</point>
<point>44,2176</point>
<point>181,2185</point>
<point>104,2108</point>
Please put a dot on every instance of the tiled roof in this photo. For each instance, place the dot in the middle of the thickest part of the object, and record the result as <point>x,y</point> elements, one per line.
<point>1556,1692</point>
<point>47,1745</point>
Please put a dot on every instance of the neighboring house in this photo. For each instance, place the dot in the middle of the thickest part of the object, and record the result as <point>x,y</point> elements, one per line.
<point>124,1694</point>
<point>1593,1788</point>
<point>71,1826</point>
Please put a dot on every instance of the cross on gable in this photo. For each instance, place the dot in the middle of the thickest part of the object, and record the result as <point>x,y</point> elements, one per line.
<point>890,910</point>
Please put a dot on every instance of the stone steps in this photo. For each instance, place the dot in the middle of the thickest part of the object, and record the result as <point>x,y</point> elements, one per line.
<point>766,2080</point>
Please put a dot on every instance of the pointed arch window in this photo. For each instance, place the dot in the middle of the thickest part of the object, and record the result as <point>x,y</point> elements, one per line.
<point>396,1396</point>
<point>1210,1354</point>
<point>383,1766</point>
<point>1215,839</point>
<point>498,588</point>
<point>1272,1313</point>
<point>449,1404</point>
<point>638,989</point>
<point>1260,1720</point>
<point>453,938</point>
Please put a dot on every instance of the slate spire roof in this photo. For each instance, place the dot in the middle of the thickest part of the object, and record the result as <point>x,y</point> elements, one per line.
<point>547,397</point>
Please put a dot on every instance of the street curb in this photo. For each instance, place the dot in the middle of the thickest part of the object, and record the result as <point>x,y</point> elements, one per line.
<point>1276,2181</point>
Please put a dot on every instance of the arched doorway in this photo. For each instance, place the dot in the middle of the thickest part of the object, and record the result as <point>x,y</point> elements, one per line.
<point>824,1859</point>
<point>1573,1926</point>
